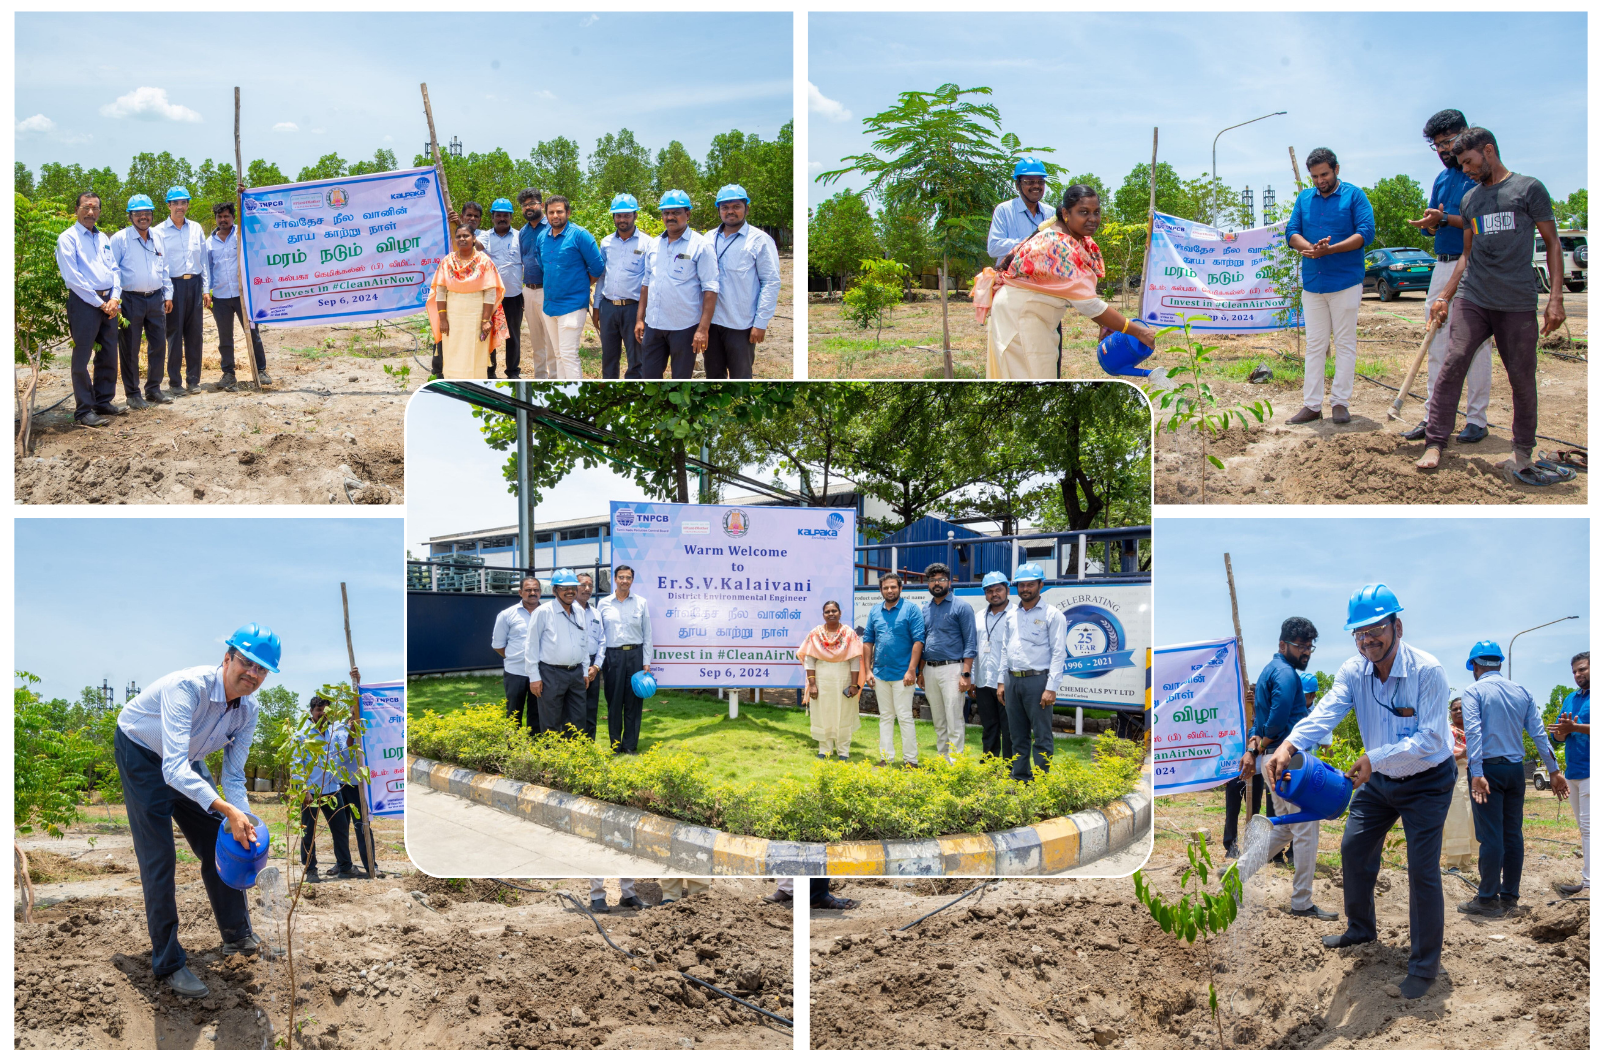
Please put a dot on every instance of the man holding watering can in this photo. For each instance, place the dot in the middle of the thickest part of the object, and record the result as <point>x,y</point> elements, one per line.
<point>1401,699</point>
<point>163,737</point>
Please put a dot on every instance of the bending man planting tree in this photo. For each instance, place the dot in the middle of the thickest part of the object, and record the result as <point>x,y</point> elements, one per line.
<point>163,737</point>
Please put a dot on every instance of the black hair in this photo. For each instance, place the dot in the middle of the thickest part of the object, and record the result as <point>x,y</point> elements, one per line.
<point>91,194</point>
<point>586,575</point>
<point>835,604</point>
<point>472,204</point>
<point>1321,157</point>
<point>318,702</point>
<point>529,193</point>
<point>563,200</point>
<point>1473,139</point>
<point>936,568</point>
<point>1581,656</point>
<point>619,569</point>
<point>217,208</point>
<point>1070,197</point>
<point>1449,120</point>
<point>530,578</point>
<point>886,576</point>
<point>1297,629</point>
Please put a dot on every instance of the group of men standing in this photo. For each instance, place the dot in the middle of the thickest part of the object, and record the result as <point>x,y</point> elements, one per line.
<point>148,283</point>
<point>663,301</point>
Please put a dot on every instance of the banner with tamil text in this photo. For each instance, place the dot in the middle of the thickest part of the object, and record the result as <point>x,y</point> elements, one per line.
<point>350,249</point>
<point>383,742</point>
<point>1197,720</point>
<point>1194,270</point>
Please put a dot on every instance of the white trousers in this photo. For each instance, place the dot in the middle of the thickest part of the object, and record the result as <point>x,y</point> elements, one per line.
<point>597,888</point>
<point>895,702</point>
<point>942,685</point>
<point>1580,807</point>
<point>678,888</point>
<point>537,364</point>
<point>563,334</point>
<point>1476,406</point>
<point>1304,835</point>
<point>1331,317</point>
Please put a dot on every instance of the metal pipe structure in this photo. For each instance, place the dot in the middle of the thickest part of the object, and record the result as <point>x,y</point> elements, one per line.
<point>1519,634</point>
<point>1214,139</point>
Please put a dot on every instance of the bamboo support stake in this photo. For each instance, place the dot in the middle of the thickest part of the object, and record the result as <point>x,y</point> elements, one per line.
<point>238,222</point>
<point>361,752</point>
<point>1150,224</point>
<point>433,143</point>
<point>1244,678</point>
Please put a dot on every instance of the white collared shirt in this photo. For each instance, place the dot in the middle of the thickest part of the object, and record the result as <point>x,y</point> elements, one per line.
<point>1035,640</point>
<point>627,622</point>
<point>560,638</point>
<point>991,640</point>
<point>511,634</point>
<point>1396,746</point>
<point>185,250</point>
<point>185,717</point>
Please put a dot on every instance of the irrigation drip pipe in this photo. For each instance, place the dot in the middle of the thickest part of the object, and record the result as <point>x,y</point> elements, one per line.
<point>581,909</point>
<point>952,903</point>
<point>1422,398</point>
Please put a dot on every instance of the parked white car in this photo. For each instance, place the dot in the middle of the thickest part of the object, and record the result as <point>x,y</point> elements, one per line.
<point>1574,260</point>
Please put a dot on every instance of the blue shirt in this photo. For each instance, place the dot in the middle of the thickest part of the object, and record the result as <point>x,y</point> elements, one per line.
<point>949,633</point>
<point>185,717</point>
<point>528,241</point>
<point>1396,746</point>
<point>185,249</point>
<point>222,265</point>
<point>1280,702</point>
<point>1496,712</point>
<point>334,762</point>
<point>568,260</point>
<point>86,263</point>
<point>1577,706</point>
<point>747,275</point>
<point>1338,216</point>
<point>678,275</point>
<point>1448,188</point>
<point>624,266</point>
<point>140,264</point>
<point>892,633</point>
<point>1011,224</point>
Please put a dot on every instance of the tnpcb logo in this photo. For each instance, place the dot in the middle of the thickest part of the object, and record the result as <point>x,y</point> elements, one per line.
<point>735,523</point>
<point>637,522</point>
<point>624,517</point>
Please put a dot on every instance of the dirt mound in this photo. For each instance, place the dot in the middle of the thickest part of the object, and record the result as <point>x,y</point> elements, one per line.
<point>1041,965</point>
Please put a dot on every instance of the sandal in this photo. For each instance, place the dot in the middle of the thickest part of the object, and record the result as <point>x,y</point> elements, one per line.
<point>1561,470</point>
<point>831,902</point>
<point>1576,460</point>
<point>1537,477</point>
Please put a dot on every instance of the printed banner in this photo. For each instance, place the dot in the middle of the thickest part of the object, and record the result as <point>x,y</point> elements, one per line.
<point>383,741</point>
<point>733,591</point>
<point>1197,724</point>
<point>1108,633</point>
<point>351,249</point>
<point>1194,270</point>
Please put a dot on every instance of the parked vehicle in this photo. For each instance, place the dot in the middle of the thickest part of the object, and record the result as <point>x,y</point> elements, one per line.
<point>1392,270</point>
<point>1574,260</point>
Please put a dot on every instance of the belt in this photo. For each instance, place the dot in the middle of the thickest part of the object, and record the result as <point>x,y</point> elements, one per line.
<point>106,294</point>
<point>142,294</point>
<point>1446,257</point>
<point>561,667</point>
<point>186,276</point>
<point>623,302</point>
<point>938,663</point>
<point>610,647</point>
<point>1501,759</point>
<point>1029,674</point>
<point>533,287</point>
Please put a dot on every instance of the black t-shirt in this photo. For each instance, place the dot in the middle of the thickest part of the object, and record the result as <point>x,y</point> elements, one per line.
<point>1501,217</point>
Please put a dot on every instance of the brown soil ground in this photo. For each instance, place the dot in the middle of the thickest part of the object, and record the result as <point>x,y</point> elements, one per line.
<point>409,962</point>
<point>1367,461</point>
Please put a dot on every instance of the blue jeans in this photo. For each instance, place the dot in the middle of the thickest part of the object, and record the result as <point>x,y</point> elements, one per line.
<point>1421,802</point>
<point>1498,823</point>
<point>153,806</point>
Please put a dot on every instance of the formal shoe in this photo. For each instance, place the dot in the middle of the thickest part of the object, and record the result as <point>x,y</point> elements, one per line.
<point>1231,851</point>
<point>185,983</point>
<point>156,398</point>
<point>1315,912</point>
<point>1569,888</point>
<point>1509,906</point>
<point>356,875</point>
<point>312,877</point>
<point>1414,987</point>
<point>249,945</point>
<point>1342,940</point>
<point>599,907</point>
<point>1280,860</point>
<point>176,390</point>
<point>1341,414</point>
<point>822,755</point>
<point>1489,908</point>
<point>634,902</point>
<point>911,765</point>
<point>92,419</point>
<point>261,374</point>
<point>885,763</point>
<point>137,402</point>
<point>1417,434</point>
<point>841,757</point>
<point>1306,415</point>
<point>1473,433</point>
<point>782,899</point>
<point>111,409</point>
<point>228,382</point>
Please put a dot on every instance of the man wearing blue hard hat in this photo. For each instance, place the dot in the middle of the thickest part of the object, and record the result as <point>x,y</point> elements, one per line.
<point>83,255</point>
<point>146,298</point>
<point>1032,655</point>
<point>616,294</point>
<point>224,297</point>
<point>183,243</point>
<point>557,655</point>
<point>986,675</point>
<point>1495,713</point>
<point>1402,703</point>
<point>630,647</point>
<point>747,295</point>
<point>678,295</point>
<point>1017,219</point>
<point>163,737</point>
<point>503,245</point>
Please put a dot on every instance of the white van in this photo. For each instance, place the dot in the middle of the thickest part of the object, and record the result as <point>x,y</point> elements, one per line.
<point>1574,260</point>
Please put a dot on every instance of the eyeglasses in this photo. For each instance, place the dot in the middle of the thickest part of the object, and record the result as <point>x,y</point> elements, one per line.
<point>1303,646</point>
<point>1370,634</point>
<point>251,667</point>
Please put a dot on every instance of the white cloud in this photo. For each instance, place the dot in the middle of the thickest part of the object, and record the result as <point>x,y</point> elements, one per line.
<point>37,124</point>
<point>546,94</point>
<point>149,105</point>
<point>832,110</point>
<point>388,140</point>
<point>591,20</point>
<point>286,127</point>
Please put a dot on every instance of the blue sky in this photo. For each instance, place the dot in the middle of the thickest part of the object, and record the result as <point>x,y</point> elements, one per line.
<point>181,587</point>
<point>1092,86</point>
<point>349,83</point>
<point>1459,580</point>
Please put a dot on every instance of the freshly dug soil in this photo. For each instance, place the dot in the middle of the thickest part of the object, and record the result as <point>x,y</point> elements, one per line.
<point>1031,964</point>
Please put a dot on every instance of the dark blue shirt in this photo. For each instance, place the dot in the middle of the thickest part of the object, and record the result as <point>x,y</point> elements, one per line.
<point>949,632</point>
<point>1280,702</point>
<point>1338,216</point>
<point>1448,188</point>
<point>1577,706</point>
<point>892,633</point>
<point>532,267</point>
<point>568,261</point>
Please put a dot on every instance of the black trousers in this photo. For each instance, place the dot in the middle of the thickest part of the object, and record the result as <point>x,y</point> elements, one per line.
<point>1498,825</point>
<point>1031,724</point>
<point>153,808</point>
<point>664,345</point>
<point>992,714</point>
<point>561,702</point>
<point>147,323</point>
<point>339,817</point>
<point>624,709</point>
<point>820,890</point>
<point>591,705</point>
<point>513,307</point>
<point>616,335</point>
<point>520,700</point>
<point>729,353</point>
<point>225,314</point>
<point>436,366</point>
<point>89,326</point>
<point>185,327</point>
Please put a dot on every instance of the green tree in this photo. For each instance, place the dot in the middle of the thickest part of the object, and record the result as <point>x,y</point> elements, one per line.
<point>51,769</point>
<point>841,236</point>
<point>326,168</point>
<point>906,237</point>
<point>675,168</point>
<point>805,440</point>
<point>382,161</point>
<point>1573,211</point>
<point>1396,200</point>
<point>39,320</point>
<point>23,180</point>
<point>619,163</point>
<point>557,168</point>
<point>879,287</point>
<point>263,174</point>
<point>912,447</point>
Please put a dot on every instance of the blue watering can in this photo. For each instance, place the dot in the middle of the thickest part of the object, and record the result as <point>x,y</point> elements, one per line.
<point>1320,791</point>
<point>1120,354</point>
<point>238,865</point>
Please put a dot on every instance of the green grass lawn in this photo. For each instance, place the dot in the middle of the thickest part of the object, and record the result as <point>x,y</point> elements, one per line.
<point>765,742</point>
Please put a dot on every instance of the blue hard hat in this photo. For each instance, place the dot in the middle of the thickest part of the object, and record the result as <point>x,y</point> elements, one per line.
<point>1120,355</point>
<point>259,644</point>
<point>1485,650</point>
<point>644,684</point>
<point>622,202</point>
<point>1028,166</point>
<point>563,577</point>
<point>730,192</point>
<point>1370,604</point>
<point>502,206</point>
<point>1028,571</point>
<point>675,198</point>
<point>177,191</point>
<point>993,578</point>
<point>140,202</point>
<point>1308,682</point>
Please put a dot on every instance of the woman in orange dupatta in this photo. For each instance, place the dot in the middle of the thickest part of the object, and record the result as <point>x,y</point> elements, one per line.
<point>1026,298</point>
<point>465,309</point>
<point>832,657</point>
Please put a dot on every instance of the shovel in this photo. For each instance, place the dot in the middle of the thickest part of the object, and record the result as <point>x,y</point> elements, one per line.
<point>1411,376</point>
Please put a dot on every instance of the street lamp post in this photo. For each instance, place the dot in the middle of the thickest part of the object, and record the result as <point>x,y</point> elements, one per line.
<point>1519,634</point>
<point>1214,139</point>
